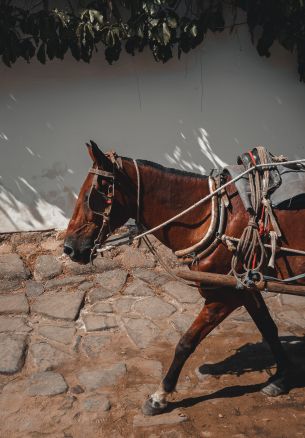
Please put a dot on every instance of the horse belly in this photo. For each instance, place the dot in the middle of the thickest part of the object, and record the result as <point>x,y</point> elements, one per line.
<point>292,225</point>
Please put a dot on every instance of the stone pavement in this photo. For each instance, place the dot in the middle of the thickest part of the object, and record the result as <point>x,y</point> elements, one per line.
<point>81,339</point>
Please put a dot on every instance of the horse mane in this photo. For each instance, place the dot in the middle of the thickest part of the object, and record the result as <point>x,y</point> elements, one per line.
<point>170,170</point>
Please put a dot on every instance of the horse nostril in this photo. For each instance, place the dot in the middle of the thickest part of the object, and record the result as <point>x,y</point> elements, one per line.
<point>68,250</point>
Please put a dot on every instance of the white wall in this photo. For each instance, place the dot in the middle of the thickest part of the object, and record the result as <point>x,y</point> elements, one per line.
<point>195,113</point>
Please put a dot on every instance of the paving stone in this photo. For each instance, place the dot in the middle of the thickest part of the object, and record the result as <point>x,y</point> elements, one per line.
<point>154,307</point>
<point>77,269</point>
<point>93,379</point>
<point>141,331</point>
<point>148,367</point>
<point>33,289</point>
<point>182,322</point>
<point>45,357</point>
<point>99,322</point>
<point>64,335</point>
<point>138,288</point>
<point>8,324</point>
<point>292,317</point>
<point>25,250</point>
<point>12,353</point>
<point>15,386</point>
<point>62,305</point>
<point>167,255</point>
<point>181,292</point>
<point>152,277</point>
<point>92,344</point>
<point>112,280</point>
<point>97,403</point>
<point>87,285</point>
<point>101,307</point>
<point>14,304</point>
<point>123,305</point>
<point>65,281</point>
<point>101,264</point>
<point>52,244</point>
<point>292,300</point>
<point>174,417</point>
<point>12,267</point>
<point>5,248</point>
<point>134,258</point>
<point>46,383</point>
<point>170,336</point>
<point>46,267</point>
<point>12,271</point>
<point>98,294</point>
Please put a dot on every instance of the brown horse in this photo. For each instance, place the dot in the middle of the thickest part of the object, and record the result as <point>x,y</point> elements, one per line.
<point>164,193</point>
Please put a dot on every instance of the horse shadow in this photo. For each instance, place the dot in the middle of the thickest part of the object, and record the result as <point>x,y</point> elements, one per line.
<point>248,358</point>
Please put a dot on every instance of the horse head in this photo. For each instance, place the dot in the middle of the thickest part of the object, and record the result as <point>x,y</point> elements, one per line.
<point>103,205</point>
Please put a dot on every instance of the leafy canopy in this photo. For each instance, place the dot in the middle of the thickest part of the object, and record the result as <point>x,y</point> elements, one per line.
<point>45,30</point>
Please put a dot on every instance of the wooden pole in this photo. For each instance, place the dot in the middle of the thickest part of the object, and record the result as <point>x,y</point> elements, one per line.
<point>220,280</point>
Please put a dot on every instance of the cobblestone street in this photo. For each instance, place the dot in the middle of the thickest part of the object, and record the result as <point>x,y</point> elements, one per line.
<point>82,346</point>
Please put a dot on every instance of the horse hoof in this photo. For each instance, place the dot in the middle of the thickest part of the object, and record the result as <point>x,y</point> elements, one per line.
<point>273,389</point>
<point>151,407</point>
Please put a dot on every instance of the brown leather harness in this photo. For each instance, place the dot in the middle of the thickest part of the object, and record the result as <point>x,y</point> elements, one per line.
<point>105,214</point>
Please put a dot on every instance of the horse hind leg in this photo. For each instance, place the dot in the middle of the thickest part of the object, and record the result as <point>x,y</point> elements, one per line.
<point>215,310</point>
<point>281,382</point>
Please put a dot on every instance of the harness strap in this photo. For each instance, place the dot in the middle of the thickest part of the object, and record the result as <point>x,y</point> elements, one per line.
<point>101,172</point>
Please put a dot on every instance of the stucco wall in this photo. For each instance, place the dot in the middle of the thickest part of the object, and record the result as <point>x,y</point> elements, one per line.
<point>195,113</point>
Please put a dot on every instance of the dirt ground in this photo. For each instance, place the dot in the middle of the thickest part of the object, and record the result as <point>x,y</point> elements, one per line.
<point>218,394</point>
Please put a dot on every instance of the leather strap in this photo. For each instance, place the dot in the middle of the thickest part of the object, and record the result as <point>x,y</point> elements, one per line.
<point>101,172</point>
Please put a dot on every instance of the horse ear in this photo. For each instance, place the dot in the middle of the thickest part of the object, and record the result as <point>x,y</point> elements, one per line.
<point>89,147</point>
<point>98,156</point>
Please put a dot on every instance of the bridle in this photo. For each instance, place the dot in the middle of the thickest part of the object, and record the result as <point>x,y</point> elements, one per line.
<point>109,197</point>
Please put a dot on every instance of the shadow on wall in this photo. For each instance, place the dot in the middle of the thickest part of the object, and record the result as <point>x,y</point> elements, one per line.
<point>183,158</point>
<point>39,204</point>
<point>45,200</point>
<point>190,114</point>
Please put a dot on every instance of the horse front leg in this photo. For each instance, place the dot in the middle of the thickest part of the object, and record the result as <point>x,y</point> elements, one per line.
<point>216,308</point>
<point>283,379</point>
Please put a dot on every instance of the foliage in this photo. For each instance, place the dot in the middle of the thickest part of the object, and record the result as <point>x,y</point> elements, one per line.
<point>39,29</point>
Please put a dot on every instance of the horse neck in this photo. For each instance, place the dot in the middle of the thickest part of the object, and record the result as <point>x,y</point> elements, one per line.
<point>165,193</point>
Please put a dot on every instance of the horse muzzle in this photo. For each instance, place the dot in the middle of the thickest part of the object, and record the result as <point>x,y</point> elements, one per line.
<point>78,252</point>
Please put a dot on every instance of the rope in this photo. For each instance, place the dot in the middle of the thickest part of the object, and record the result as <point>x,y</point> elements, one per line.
<point>227,239</point>
<point>250,251</point>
